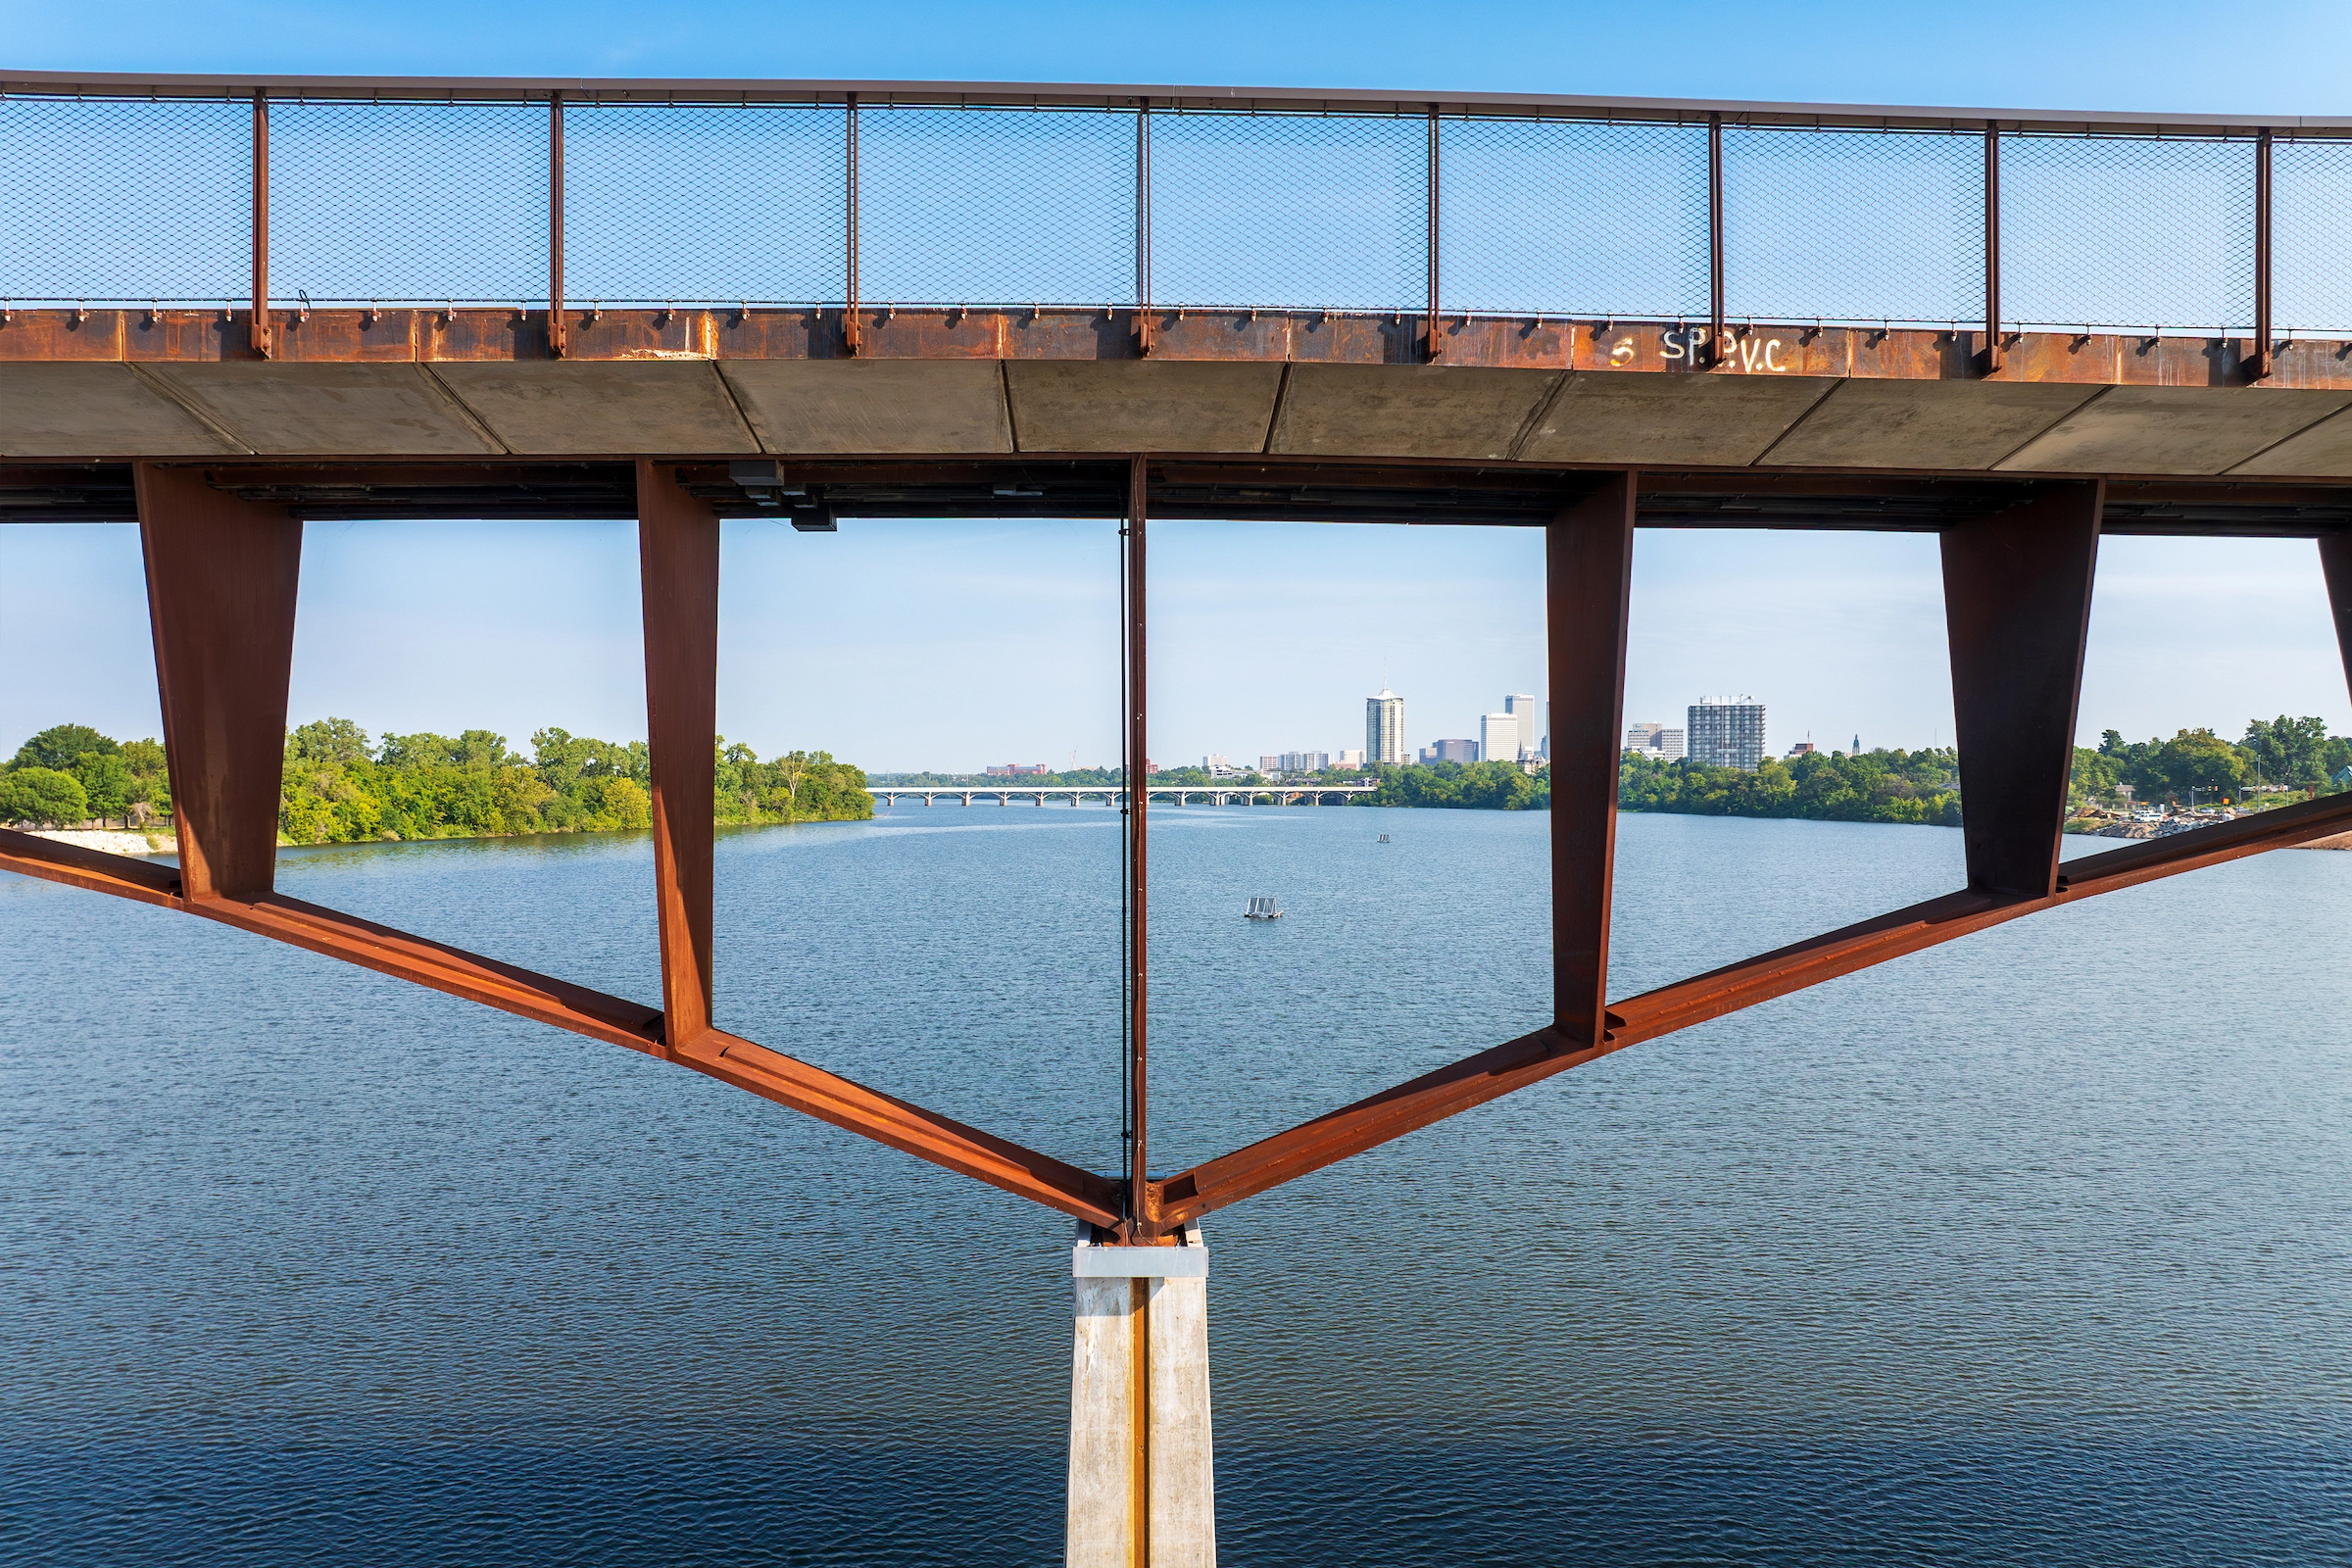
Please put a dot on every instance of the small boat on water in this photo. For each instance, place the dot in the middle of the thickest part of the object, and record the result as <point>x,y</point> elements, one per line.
<point>1262,909</point>
<point>1384,838</point>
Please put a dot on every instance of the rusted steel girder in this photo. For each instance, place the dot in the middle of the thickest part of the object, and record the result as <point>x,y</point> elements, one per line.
<point>679,570</point>
<point>220,584</point>
<point>2017,610</point>
<point>1589,567</point>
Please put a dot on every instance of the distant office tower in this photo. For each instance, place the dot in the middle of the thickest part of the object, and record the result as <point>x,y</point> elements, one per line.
<point>1654,741</point>
<point>1384,727</point>
<point>1268,762</point>
<point>1348,759</point>
<point>1727,732</point>
<point>1498,737</point>
<point>1458,750</point>
<point>1304,761</point>
<point>1531,732</point>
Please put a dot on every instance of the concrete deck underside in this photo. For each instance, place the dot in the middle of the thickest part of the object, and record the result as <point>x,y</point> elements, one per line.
<point>117,384</point>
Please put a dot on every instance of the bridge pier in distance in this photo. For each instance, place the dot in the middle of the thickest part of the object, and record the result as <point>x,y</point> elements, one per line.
<point>1143,1483</point>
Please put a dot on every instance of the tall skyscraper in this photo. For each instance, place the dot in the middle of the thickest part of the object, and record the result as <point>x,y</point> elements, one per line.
<point>1498,737</point>
<point>1531,725</point>
<point>1727,732</point>
<point>1384,728</point>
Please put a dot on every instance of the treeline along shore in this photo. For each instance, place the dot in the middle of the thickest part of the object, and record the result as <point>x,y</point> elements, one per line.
<point>340,787</point>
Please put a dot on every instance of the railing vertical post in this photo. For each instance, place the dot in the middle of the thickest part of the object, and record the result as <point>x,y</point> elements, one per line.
<point>1993,246</point>
<point>851,335</point>
<point>1715,237</point>
<point>1142,227</point>
<point>2017,610</point>
<point>261,222</point>
<point>555,223</point>
<point>1435,344</point>
<point>1588,555</point>
<point>2262,255</point>
<point>1141,1221</point>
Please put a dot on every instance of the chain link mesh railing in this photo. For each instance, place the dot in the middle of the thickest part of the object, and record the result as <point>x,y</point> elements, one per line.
<point>147,202</point>
<point>2310,236</point>
<point>106,201</point>
<point>1853,227</point>
<point>1287,211</point>
<point>409,204</point>
<point>667,204</point>
<point>1541,217</point>
<point>997,207</point>
<point>2136,232</point>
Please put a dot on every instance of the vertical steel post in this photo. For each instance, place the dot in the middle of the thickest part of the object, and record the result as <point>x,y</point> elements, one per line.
<point>555,223</point>
<point>221,575</point>
<point>1589,557</point>
<point>1714,237</point>
<point>2017,608</point>
<point>1993,246</point>
<point>261,224</point>
<point>2262,255</point>
<point>677,541</point>
<point>1142,227</point>
<point>1435,345</point>
<point>852,335</point>
<point>1140,1223</point>
<point>2336,564</point>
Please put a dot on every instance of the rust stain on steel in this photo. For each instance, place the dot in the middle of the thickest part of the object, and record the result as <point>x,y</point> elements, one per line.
<point>678,561</point>
<point>221,583</point>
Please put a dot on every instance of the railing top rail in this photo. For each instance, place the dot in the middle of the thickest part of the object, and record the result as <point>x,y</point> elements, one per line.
<point>1069,95</point>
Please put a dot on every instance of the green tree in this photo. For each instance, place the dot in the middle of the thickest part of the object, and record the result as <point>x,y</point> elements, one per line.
<point>105,780</point>
<point>2199,760</point>
<point>2289,751</point>
<point>59,747</point>
<point>42,795</point>
<point>328,740</point>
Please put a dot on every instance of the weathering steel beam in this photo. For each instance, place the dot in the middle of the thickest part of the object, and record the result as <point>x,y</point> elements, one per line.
<point>1164,97</point>
<point>1588,559</point>
<point>678,573</point>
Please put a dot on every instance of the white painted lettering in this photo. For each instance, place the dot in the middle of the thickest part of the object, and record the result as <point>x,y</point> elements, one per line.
<point>1672,343</point>
<point>1623,353</point>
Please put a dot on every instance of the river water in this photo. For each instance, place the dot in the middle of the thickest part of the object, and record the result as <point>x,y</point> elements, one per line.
<point>2033,1249</point>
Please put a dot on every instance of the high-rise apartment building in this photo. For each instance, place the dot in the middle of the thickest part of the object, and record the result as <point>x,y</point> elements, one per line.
<point>1450,750</point>
<point>1727,732</point>
<point>1498,737</point>
<point>1530,728</point>
<point>1347,759</point>
<point>1654,741</point>
<point>1384,728</point>
<point>1303,761</point>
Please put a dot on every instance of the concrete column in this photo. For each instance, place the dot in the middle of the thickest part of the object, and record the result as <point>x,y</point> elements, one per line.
<point>1141,1450</point>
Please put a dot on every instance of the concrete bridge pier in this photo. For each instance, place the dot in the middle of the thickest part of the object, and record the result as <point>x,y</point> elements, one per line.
<point>1143,1485</point>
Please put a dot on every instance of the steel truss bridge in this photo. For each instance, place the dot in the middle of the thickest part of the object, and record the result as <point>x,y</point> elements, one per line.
<point>1116,794</point>
<point>232,306</point>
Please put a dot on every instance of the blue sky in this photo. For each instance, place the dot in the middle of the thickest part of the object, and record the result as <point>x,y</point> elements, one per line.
<point>901,645</point>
